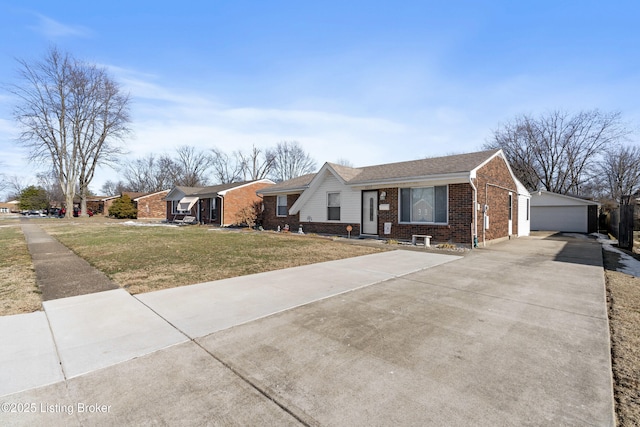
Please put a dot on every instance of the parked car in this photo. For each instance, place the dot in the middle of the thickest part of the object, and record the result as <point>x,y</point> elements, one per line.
<point>34,213</point>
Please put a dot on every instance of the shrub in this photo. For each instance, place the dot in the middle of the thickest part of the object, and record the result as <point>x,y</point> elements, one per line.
<point>249,214</point>
<point>123,207</point>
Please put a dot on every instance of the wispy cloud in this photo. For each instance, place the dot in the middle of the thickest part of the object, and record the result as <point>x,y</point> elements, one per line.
<point>55,29</point>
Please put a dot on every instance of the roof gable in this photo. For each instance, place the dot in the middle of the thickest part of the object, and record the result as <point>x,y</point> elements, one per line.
<point>338,171</point>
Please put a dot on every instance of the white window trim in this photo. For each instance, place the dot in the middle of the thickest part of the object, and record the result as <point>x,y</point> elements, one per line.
<point>174,204</point>
<point>278,205</point>
<point>420,222</point>
<point>339,206</point>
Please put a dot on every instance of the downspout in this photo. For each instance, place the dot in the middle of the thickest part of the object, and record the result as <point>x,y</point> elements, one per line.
<point>484,214</point>
<point>474,232</point>
<point>221,211</point>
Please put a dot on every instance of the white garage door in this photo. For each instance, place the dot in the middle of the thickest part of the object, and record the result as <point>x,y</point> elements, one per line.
<point>559,218</point>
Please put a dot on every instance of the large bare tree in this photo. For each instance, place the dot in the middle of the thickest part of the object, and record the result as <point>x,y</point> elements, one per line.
<point>72,116</point>
<point>558,151</point>
<point>291,161</point>
<point>194,166</point>
<point>226,169</point>
<point>620,172</point>
<point>257,164</point>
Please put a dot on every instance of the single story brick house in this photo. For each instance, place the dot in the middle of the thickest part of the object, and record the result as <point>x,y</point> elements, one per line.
<point>217,204</point>
<point>455,199</point>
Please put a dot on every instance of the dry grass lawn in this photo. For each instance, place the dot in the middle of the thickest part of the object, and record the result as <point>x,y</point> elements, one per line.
<point>624,320</point>
<point>143,259</point>
<point>18,290</point>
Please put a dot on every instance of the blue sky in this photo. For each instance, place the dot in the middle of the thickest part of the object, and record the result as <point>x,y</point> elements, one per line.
<point>370,82</point>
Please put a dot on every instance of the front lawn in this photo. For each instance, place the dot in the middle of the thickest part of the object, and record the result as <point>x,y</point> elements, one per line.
<point>142,259</point>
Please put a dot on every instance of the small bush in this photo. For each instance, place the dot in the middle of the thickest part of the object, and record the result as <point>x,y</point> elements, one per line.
<point>123,208</point>
<point>249,215</point>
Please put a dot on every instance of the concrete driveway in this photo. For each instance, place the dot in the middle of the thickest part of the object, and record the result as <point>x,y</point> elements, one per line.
<point>513,334</point>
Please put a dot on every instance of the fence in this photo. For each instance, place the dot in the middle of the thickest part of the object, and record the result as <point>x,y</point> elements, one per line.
<point>620,223</point>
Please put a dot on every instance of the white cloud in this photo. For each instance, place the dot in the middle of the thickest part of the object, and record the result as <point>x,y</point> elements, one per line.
<point>55,29</point>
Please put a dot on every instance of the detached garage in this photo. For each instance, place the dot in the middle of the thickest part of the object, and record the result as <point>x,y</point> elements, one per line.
<point>557,212</point>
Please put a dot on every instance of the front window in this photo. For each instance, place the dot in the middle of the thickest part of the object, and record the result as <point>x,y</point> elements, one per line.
<point>333,206</point>
<point>426,204</point>
<point>175,207</point>
<point>282,206</point>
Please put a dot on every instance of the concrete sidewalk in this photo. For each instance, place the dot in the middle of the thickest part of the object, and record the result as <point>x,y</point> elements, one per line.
<point>515,334</point>
<point>91,331</point>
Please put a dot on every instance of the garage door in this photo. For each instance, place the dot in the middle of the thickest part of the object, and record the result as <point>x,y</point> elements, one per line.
<point>559,218</point>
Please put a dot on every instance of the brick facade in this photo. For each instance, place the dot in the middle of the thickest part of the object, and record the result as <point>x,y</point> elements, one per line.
<point>458,229</point>
<point>152,206</point>
<point>239,198</point>
<point>494,182</point>
<point>270,219</point>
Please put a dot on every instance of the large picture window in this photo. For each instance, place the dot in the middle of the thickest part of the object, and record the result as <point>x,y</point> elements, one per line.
<point>333,206</point>
<point>426,204</point>
<point>282,206</point>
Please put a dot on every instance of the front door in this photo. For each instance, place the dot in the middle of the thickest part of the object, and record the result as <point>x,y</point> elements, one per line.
<point>370,212</point>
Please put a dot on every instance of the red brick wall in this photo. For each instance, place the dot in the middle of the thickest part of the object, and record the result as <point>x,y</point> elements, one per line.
<point>494,182</point>
<point>270,221</point>
<point>237,199</point>
<point>153,206</point>
<point>458,230</point>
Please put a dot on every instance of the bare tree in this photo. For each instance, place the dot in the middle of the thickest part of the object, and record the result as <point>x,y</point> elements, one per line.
<point>620,171</point>
<point>14,185</point>
<point>557,150</point>
<point>291,161</point>
<point>226,169</point>
<point>71,114</point>
<point>194,166</point>
<point>48,181</point>
<point>138,173</point>
<point>111,188</point>
<point>257,164</point>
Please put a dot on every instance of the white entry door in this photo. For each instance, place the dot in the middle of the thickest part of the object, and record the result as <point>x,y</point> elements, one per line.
<point>370,212</point>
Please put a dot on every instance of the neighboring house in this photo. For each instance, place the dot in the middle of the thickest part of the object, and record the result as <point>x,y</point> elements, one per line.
<point>453,199</point>
<point>217,204</point>
<point>108,201</point>
<point>152,205</point>
<point>7,207</point>
<point>558,212</point>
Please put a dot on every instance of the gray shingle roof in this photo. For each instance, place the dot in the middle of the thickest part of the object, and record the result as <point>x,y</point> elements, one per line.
<point>295,184</point>
<point>422,168</point>
<point>211,190</point>
<point>413,169</point>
